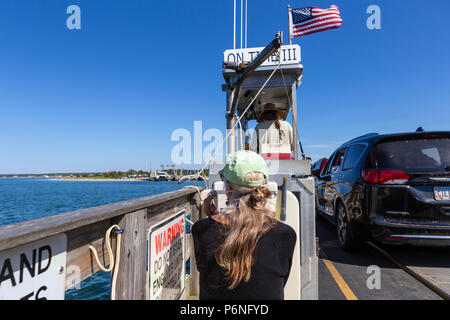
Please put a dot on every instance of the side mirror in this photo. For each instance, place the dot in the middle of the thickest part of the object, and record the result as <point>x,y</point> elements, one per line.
<point>316,173</point>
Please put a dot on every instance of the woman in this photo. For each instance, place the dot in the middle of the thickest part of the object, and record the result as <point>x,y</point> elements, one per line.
<point>273,138</point>
<point>244,252</point>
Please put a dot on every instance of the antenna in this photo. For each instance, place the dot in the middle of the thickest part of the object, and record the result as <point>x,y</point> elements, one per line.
<point>242,17</point>
<point>246,7</point>
<point>234,26</point>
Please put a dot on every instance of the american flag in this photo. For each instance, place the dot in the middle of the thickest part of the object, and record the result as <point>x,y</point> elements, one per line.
<point>312,19</point>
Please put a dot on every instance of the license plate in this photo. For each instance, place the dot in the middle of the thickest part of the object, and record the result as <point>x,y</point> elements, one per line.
<point>442,193</point>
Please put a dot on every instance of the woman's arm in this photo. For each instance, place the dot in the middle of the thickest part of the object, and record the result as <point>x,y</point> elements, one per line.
<point>208,207</point>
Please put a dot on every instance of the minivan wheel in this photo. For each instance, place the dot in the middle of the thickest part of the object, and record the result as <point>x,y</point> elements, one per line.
<point>345,232</point>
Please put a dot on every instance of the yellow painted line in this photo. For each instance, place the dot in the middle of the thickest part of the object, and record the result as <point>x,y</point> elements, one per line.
<point>423,275</point>
<point>345,289</point>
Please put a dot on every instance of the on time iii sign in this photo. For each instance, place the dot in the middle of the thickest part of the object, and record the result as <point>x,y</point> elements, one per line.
<point>34,271</point>
<point>289,54</point>
<point>166,265</point>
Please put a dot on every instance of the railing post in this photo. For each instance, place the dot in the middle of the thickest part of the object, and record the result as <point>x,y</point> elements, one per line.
<point>131,278</point>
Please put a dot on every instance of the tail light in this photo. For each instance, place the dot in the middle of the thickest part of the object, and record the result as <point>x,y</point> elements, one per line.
<point>397,238</point>
<point>385,176</point>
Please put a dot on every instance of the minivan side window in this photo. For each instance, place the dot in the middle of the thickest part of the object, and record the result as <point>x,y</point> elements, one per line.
<point>317,165</point>
<point>327,169</point>
<point>353,155</point>
<point>337,161</point>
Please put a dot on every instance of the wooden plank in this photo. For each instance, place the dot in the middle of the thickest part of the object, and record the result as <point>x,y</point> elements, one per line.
<point>131,280</point>
<point>17,234</point>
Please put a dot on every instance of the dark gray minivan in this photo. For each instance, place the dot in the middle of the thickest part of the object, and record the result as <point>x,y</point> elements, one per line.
<point>394,188</point>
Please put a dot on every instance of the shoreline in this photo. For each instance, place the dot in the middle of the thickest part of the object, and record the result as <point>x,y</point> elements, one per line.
<point>94,179</point>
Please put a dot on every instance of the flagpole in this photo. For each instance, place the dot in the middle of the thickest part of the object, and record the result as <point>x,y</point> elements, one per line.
<point>290,23</point>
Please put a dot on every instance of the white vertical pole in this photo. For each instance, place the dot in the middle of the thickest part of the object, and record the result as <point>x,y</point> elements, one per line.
<point>231,120</point>
<point>234,26</point>
<point>246,5</point>
<point>242,18</point>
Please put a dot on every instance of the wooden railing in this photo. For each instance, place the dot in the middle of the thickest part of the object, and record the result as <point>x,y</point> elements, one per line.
<point>88,226</point>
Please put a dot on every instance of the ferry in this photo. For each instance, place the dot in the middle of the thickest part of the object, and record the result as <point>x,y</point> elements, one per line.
<point>162,176</point>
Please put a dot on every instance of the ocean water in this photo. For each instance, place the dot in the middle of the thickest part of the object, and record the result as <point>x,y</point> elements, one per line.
<point>27,199</point>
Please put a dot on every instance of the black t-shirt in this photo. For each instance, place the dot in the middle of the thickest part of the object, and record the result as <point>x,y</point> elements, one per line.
<point>272,260</point>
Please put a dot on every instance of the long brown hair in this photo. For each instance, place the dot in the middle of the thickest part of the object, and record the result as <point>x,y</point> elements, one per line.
<point>273,115</point>
<point>247,222</point>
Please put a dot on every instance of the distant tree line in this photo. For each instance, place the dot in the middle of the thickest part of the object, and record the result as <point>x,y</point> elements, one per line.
<point>131,172</point>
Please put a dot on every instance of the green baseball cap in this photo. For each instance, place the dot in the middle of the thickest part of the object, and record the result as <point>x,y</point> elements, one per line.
<point>239,163</point>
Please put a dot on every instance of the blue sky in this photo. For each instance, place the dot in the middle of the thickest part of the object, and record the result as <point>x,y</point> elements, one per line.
<point>108,96</point>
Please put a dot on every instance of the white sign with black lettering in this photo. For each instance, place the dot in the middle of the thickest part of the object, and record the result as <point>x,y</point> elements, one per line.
<point>34,271</point>
<point>289,54</point>
<point>167,267</point>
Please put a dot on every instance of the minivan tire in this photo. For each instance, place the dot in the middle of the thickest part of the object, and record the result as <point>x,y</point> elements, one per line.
<point>345,231</point>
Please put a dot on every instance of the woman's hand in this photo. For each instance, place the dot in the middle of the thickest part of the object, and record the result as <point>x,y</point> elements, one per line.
<point>208,207</point>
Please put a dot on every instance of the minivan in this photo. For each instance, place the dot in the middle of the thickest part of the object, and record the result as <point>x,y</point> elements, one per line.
<point>392,188</point>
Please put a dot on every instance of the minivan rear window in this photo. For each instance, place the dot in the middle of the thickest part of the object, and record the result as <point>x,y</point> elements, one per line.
<point>425,155</point>
<point>353,155</point>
